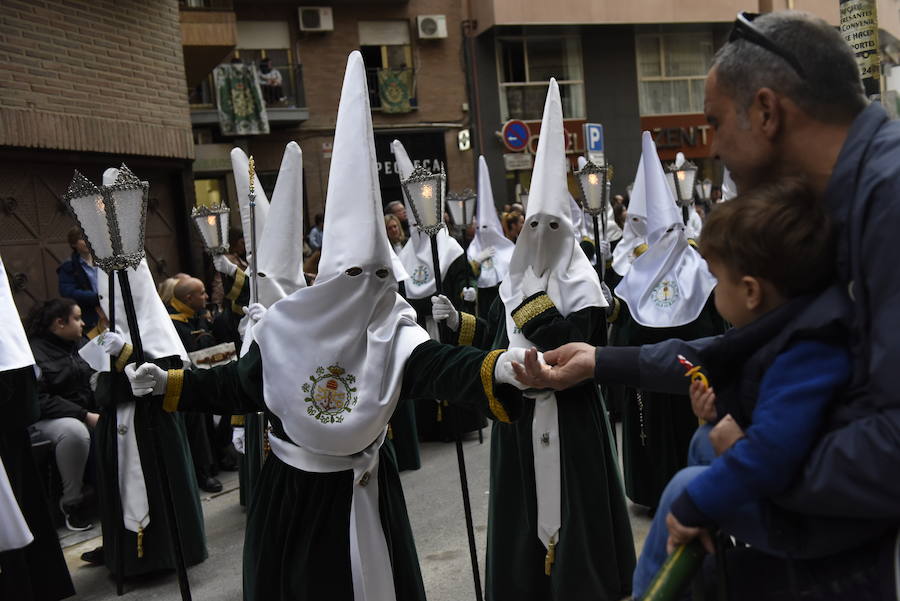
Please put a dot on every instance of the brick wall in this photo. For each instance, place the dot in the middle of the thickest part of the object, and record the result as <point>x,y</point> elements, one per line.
<point>99,75</point>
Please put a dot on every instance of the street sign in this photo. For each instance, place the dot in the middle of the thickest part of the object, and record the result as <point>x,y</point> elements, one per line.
<point>515,135</point>
<point>464,140</point>
<point>593,142</point>
<point>517,161</point>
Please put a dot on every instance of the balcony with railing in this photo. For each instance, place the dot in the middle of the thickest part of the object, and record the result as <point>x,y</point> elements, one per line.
<point>285,104</point>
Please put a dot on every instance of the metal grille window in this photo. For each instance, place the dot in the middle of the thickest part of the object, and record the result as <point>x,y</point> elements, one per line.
<point>524,68</point>
<point>672,70</point>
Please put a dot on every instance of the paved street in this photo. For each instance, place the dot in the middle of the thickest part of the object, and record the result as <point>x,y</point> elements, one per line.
<point>435,510</point>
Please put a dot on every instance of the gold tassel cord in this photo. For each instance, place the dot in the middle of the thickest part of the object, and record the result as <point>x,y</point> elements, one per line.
<point>140,542</point>
<point>551,555</point>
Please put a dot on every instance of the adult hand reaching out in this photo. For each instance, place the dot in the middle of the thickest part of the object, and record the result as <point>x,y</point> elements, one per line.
<point>563,367</point>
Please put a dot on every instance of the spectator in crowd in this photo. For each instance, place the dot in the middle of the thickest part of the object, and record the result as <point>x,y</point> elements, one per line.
<point>512,224</point>
<point>270,81</point>
<point>78,279</point>
<point>772,255</point>
<point>315,234</point>
<point>394,232</point>
<point>187,311</point>
<point>398,210</point>
<point>67,407</point>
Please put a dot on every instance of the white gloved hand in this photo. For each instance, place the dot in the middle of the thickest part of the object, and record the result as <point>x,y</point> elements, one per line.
<point>442,309</point>
<point>503,369</point>
<point>604,250</point>
<point>485,254</point>
<point>146,379</point>
<point>224,266</point>
<point>111,342</point>
<point>237,439</point>
<point>533,283</point>
<point>469,294</point>
<point>255,311</point>
<point>607,294</point>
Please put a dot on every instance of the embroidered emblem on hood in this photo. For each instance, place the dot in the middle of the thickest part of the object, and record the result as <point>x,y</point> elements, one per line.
<point>330,394</point>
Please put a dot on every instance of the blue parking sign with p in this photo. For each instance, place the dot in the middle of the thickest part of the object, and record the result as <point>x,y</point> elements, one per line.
<point>593,137</point>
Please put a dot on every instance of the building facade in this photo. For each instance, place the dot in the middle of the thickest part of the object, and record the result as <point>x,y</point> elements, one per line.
<point>629,67</point>
<point>86,86</point>
<point>430,112</point>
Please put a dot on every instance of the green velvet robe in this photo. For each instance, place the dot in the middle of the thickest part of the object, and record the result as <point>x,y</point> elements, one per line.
<point>158,554</point>
<point>438,420</point>
<point>657,428</point>
<point>38,571</point>
<point>595,554</point>
<point>297,541</point>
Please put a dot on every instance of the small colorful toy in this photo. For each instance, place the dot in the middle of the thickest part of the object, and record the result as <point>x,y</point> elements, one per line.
<point>693,371</point>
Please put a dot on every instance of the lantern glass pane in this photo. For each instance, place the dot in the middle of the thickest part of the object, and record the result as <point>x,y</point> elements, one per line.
<point>91,213</point>
<point>223,230</point>
<point>427,195</point>
<point>707,189</point>
<point>457,211</point>
<point>209,230</point>
<point>592,186</point>
<point>686,177</point>
<point>128,205</point>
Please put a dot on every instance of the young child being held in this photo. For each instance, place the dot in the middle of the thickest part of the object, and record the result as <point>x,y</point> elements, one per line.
<point>774,374</point>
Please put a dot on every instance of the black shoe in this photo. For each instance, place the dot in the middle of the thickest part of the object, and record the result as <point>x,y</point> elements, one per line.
<point>210,484</point>
<point>94,557</point>
<point>76,521</point>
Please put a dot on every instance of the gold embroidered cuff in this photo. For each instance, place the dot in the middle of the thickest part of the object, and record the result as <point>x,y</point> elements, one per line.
<point>476,268</point>
<point>124,356</point>
<point>237,420</point>
<point>640,249</point>
<point>95,331</point>
<point>466,329</point>
<point>531,309</point>
<point>487,382</point>
<point>173,390</point>
<point>239,279</point>
<point>614,314</point>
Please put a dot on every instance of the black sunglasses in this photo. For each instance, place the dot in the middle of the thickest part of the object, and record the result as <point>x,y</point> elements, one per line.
<point>744,29</point>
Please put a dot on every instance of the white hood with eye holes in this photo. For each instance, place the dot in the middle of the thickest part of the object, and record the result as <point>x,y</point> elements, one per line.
<point>488,233</point>
<point>634,234</point>
<point>547,241</point>
<point>334,353</point>
<point>669,284</point>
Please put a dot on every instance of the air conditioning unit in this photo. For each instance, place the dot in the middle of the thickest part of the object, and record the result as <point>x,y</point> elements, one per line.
<point>431,27</point>
<point>316,18</point>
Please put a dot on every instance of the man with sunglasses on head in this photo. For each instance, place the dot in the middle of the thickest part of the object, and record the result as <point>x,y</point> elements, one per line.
<point>785,98</point>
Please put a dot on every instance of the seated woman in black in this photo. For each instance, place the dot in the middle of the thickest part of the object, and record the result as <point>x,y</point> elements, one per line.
<point>66,402</point>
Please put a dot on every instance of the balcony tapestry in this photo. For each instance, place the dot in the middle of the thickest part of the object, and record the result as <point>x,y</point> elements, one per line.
<point>395,88</point>
<point>239,100</point>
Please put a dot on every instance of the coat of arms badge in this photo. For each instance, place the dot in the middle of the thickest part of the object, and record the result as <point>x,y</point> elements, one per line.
<point>330,394</point>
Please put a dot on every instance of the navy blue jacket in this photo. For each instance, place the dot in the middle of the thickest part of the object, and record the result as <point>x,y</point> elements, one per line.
<point>74,284</point>
<point>850,475</point>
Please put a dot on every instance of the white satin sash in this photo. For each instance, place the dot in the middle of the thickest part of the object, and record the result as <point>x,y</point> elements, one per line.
<point>370,563</point>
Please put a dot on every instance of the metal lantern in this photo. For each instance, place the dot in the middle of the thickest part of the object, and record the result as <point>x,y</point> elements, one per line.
<point>462,207</point>
<point>425,193</point>
<point>595,187</point>
<point>681,180</point>
<point>212,222</point>
<point>704,190</point>
<point>111,217</point>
